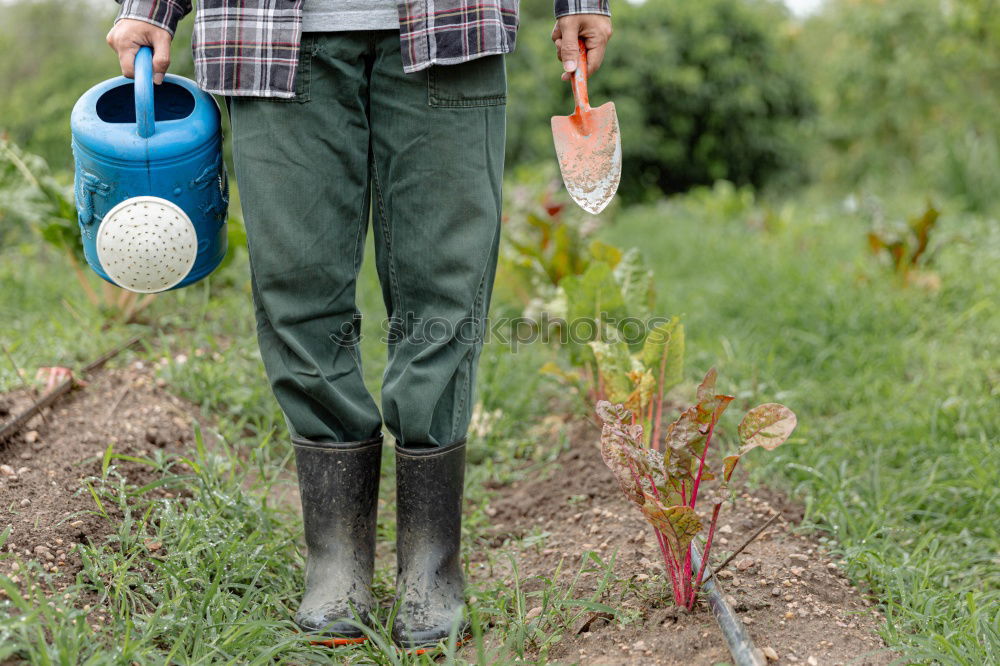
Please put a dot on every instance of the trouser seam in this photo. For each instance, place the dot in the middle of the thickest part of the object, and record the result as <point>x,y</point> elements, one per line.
<point>361,224</point>
<point>478,316</point>
<point>397,301</point>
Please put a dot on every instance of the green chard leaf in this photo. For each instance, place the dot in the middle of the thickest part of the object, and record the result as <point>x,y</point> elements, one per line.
<point>664,347</point>
<point>602,251</point>
<point>636,283</point>
<point>615,366</point>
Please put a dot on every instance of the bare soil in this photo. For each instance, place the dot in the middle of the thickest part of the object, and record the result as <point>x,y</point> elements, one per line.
<point>791,596</point>
<point>43,499</point>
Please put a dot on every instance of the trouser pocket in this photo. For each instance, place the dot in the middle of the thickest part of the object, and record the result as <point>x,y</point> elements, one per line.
<point>479,82</point>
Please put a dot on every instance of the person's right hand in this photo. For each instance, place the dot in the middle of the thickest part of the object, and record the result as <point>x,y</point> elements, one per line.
<point>126,38</point>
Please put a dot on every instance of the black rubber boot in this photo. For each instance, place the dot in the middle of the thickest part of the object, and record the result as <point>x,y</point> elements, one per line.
<point>429,582</point>
<point>338,485</point>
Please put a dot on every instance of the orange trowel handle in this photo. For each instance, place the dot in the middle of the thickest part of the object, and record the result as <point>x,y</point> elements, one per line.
<point>579,82</point>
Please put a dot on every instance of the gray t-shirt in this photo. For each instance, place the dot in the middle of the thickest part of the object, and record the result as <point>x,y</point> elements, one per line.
<point>337,15</point>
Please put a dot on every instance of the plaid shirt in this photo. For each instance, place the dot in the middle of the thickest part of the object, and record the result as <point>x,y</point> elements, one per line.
<point>251,47</point>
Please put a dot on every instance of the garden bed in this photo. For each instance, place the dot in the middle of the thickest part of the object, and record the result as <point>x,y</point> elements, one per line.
<point>792,597</point>
<point>44,497</point>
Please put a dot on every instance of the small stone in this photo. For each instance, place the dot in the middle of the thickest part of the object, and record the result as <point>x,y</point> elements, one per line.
<point>725,573</point>
<point>797,571</point>
<point>639,645</point>
<point>533,613</point>
<point>76,523</point>
<point>31,436</point>
<point>25,502</point>
<point>812,661</point>
<point>7,470</point>
<point>799,557</point>
<point>27,455</point>
<point>726,529</point>
<point>23,470</point>
<point>770,654</point>
<point>744,564</point>
<point>789,615</point>
<point>642,577</point>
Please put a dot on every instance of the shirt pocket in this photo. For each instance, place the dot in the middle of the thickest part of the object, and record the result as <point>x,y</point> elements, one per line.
<point>478,82</point>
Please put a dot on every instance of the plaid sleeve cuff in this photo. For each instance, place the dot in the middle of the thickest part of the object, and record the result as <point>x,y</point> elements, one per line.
<point>564,7</point>
<point>161,13</point>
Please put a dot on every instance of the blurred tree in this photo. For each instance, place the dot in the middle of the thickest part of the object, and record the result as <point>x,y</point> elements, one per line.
<point>908,95</point>
<point>53,51</point>
<point>704,91</point>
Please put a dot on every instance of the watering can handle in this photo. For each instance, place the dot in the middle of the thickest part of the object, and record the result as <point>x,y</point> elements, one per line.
<point>144,115</point>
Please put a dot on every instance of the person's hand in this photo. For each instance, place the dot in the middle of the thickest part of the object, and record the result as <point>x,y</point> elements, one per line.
<point>126,38</point>
<point>593,29</point>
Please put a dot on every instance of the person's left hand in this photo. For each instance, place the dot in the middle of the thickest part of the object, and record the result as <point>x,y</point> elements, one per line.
<point>593,29</point>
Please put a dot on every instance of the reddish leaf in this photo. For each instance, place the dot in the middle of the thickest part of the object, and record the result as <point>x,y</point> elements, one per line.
<point>707,387</point>
<point>679,524</point>
<point>622,451</point>
<point>766,425</point>
<point>729,464</point>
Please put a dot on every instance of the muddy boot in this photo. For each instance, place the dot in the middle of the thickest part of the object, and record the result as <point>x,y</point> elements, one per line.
<point>338,484</point>
<point>429,583</point>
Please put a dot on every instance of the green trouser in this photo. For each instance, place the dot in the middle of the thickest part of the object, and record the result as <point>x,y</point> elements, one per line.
<point>426,150</point>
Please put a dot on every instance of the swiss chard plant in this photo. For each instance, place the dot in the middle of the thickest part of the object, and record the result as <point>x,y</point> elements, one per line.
<point>663,473</point>
<point>905,246</point>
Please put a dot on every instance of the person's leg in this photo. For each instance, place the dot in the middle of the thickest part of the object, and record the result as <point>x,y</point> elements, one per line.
<point>437,146</point>
<point>302,171</point>
<point>302,168</point>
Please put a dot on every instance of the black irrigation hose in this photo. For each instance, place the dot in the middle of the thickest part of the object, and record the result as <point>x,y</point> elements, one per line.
<point>64,387</point>
<point>741,646</point>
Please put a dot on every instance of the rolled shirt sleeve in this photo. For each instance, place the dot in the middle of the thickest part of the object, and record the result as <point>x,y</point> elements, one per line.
<point>161,13</point>
<point>564,7</point>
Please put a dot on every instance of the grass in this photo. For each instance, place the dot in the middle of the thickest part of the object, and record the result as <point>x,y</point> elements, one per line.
<point>224,583</point>
<point>897,390</point>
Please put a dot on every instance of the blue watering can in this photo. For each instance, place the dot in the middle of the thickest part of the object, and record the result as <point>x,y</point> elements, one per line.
<point>151,188</point>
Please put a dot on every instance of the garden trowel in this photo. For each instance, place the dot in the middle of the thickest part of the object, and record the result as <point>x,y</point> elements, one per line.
<point>588,146</point>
